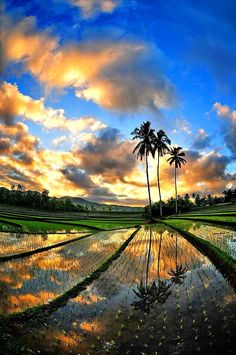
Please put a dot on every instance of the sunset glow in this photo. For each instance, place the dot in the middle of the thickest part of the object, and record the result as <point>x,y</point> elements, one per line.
<point>78,77</point>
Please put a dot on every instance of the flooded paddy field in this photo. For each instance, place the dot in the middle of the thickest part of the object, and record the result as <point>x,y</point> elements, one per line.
<point>160,296</point>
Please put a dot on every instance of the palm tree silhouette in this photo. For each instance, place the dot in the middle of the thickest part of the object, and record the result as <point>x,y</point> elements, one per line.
<point>177,158</point>
<point>144,148</point>
<point>146,291</point>
<point>150,293</point>
<point>177,275</point>
<point>161,146</point>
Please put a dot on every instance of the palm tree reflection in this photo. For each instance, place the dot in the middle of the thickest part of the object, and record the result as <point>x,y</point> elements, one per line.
<point>152,292</point>
<point>177,275</point>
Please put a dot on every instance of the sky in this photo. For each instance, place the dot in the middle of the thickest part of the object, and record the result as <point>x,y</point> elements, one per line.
<point>77,76</point>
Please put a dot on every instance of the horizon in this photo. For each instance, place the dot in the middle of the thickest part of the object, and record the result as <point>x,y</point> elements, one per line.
<point>78,77</point>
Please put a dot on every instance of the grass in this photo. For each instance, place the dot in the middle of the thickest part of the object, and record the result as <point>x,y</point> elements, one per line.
<point>32,226</point>
<point>221,260</point>
<point>224,220</point>
<point>226,207</point>
<point>29,223</point>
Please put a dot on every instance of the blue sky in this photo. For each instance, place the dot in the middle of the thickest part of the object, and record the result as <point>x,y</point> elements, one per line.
<point>120,63</point>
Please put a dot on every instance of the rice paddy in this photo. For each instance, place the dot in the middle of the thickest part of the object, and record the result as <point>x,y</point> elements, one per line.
<point>146,290</point>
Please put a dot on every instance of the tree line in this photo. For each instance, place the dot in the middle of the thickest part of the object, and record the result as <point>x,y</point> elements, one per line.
<point>158,144</point>
<point>19,196</point>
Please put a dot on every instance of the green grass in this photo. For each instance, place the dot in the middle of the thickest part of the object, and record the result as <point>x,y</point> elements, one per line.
<point>227,220</point>
<point>28,223</point>
<point>27,226</point>
<point>107,225</point>
<point>227,207</point>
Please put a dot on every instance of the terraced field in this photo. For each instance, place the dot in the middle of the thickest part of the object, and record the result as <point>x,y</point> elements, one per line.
<point>157,289</point>
<point>159,294</point>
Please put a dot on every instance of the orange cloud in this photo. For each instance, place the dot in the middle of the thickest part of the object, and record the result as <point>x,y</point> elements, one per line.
<point>123,75</point>
<point>16,104</point>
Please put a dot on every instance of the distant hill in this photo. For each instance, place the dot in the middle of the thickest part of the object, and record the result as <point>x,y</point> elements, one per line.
<point>101,206</point>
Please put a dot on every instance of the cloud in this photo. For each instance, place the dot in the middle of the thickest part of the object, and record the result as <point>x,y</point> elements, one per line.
<point>229,130</point>
<point>90,8</point>
<point>107,155</point>
<point>58,141</point>
<point>15,104</point>
<point>81,179</point>
<point>182,124</point>
<point>202,140</point>
<point>203,173</point>
<point>116,74</point>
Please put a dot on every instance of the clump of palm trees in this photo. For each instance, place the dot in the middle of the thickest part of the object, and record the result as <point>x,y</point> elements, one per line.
<point>157,144</point>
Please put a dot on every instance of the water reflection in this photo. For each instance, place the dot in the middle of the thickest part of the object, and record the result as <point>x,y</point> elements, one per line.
<point>223,238</point>
<point>42,277</point>
<point>197,317</point>
<point>17,243</point>
<point>152,292</point>
<point>178,275</point>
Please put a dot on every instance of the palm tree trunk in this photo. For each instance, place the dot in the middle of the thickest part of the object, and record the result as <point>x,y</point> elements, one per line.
<point>176,252</point>
<point>158,183</point>
<point>149,254</point>
<point>176,196</point>
<point>159,259</point>
<point>148,185</point>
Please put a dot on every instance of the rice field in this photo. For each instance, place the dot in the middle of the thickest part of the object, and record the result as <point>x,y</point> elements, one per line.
<point>223,238</point>
<point>125,291</point>
<point>45,276</point>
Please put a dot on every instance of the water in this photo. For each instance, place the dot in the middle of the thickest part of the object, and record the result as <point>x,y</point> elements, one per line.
<point>35,280</point>
<point>161,295</point>
<point>16,243</point>
<point>225,239</point>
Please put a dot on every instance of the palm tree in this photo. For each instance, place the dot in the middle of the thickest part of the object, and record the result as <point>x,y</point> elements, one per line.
<point>161,146</point>
<point>176,156</point>
<point>144,148</point>
<point>177,275</point>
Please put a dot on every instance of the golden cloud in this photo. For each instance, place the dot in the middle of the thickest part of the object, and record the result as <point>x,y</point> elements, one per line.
<point>15,104</point>
<point>123,75</point>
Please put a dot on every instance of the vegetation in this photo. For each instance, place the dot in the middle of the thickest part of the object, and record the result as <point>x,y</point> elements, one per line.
<point>161,145</point>
<point>157,143</point>
<point>225,220</point>
<point>176,157</point>
<point>168,208</point>
<point>144,148</point>
<point>18,196</point>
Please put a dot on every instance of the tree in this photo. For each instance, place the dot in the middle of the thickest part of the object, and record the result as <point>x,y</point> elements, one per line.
<point>161,146</point>
<point>144,148</point>
<point>176,157</point>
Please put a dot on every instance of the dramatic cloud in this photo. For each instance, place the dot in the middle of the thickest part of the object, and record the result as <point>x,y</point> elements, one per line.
<point>15,104</point>
<point>202,140</point>
<point>92,7</point>
<point>229,132</point>
<point>108,155</point>
<point>80,179</point>
<point>203,173</point>
<point>119,75</point>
